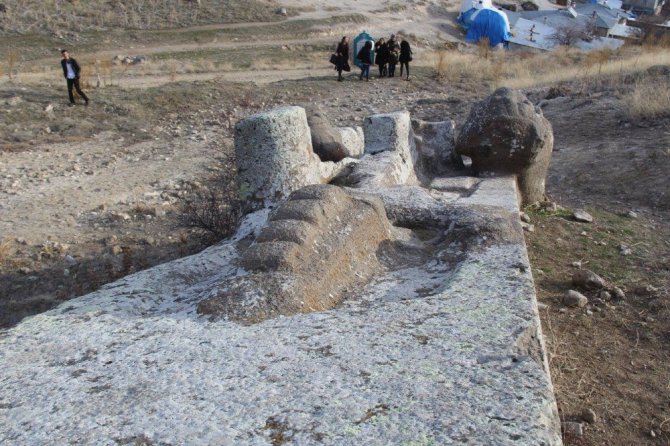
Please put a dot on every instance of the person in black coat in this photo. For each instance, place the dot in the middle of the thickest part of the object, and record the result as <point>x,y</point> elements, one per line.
<point>71,71</point>
<point>342,57</point>
<point>365,56</point>
<point>405,56</point>
<point>381,56</point>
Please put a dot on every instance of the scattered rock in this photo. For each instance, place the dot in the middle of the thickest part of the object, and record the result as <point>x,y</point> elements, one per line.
<point>587,280</point>
<point>527,227</point>
<point>577,264</point>
<point>574,299</point>
<point>524,217</point>
<point>632,214</point>
<point>573,428</point>
<point>624,250</point>
<point>589,416</point>
<point>618,293</point>
<point>582,216</point>
<point>49,108</point>
<point>541,306</point>
<point>605,295</point>
<point>116,250</point>
<point>24,270</point>
<point>506,133</point>
<point>282,11</point>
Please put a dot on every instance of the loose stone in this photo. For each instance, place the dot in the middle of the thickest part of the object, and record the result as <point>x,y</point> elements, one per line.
<point>574,299</point>
<point>582,216</point>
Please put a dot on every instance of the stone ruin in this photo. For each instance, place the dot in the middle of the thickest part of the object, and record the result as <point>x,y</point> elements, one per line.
<point>381,296</point>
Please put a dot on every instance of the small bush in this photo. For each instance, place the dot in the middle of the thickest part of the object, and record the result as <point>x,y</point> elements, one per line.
<point>214,209</point>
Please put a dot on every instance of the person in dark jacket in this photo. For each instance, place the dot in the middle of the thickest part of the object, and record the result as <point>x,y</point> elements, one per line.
<point>393,54</point>
<point>381,56</point>
<point>365,56</point>
<point>342,57</point>
<point>405,56</point>
<point>71,71</point>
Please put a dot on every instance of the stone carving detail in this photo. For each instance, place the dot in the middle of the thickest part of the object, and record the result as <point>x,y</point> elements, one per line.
<point>317,244</point>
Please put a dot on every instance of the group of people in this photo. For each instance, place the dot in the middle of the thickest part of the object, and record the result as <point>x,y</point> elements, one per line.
<point>386,56</point>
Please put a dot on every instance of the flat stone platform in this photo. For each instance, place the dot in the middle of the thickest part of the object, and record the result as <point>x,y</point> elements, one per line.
<point>430,353</point>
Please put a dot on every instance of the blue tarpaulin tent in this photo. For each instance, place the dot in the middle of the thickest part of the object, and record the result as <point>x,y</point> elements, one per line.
<point>490,24</point>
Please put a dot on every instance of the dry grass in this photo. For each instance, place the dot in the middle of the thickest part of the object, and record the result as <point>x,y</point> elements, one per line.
<point>64,17</point>
<point>525,70</point>
<point>5,248</point>
<point>649,99</point>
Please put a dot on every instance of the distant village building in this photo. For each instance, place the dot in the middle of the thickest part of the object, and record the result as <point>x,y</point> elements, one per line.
<point>648,7</point>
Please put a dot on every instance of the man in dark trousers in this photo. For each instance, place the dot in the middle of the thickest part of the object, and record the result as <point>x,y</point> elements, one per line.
<point>71,70</point>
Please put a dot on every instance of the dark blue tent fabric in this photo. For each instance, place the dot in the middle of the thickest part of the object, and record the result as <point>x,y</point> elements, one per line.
<point>489,24</point>
<point>465,18</point>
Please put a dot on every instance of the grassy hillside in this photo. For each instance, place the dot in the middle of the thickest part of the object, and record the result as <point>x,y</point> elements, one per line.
<point>63,16</point>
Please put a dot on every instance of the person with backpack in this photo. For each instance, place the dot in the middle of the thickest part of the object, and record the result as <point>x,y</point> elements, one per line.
<point>342,57</point>
<point>381,56</point>
<point>365,56</point>
<point>393,54</point>
<point>405,56</point>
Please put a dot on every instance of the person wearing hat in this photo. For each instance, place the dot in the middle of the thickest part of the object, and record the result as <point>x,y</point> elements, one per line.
<point>71,71</point>
<point>393,54</point>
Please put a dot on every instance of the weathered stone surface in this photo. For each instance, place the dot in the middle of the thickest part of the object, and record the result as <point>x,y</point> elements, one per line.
<point>274,154</point>
<point>587,280</point>
<point>574,298</point>
<point>506,133</point>
<point>390,154</point>
<point>389,132</point>
<point>326,138</point>
<point>353,141</point>
<point>335,232</point>
<point>435,143</point>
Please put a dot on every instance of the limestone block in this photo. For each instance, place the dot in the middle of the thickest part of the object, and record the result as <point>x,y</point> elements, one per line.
<point>353,141</point>
<point>435,143</point>
<point>389,132</point>
<point>505,133</point>
<point>390,154</point>
<point>274,154</point>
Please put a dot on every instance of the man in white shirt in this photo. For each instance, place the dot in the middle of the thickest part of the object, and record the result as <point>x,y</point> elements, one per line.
<point>71,72</point>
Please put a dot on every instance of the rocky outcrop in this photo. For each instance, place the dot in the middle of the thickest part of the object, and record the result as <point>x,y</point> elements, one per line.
<point>316,245</point>
<point>506,133</point>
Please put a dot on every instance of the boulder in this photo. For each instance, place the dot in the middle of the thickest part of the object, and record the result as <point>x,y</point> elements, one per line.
<point>274,154</point>
<point>588,280</point>
<point>506,133</point>
<point>574,299</point>
<point>435,143</point>
<point>326,139</point>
